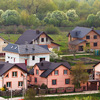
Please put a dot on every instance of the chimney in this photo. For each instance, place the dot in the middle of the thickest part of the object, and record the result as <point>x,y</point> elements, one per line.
<point>26,43</point>
<point>37,31</point>
<point>33,47</point>
<point>42,64</point>
<point>92,28</point>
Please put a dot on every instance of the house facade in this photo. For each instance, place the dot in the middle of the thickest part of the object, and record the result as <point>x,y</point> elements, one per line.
<point>13,76</point>
<point>28,54</point>
<point>3,44</point>
<point>37,37</point>
<point>82,39</point>
<point>54,75</point>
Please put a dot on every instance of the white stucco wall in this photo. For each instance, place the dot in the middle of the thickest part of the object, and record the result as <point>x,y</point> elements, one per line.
<point>21,59</point>
<point>11,56</point>
<point>37,59</point>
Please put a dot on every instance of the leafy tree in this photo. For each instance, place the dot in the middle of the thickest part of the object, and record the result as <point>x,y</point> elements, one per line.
<point>30,95</point>
<point>55,18</point>
<point>50,29</point>
<point>1,11</point>
<point>11,17</point>
<point>33,20</point>
<point>92,19</point>
<point>72,15</point>
<point>79,74</point>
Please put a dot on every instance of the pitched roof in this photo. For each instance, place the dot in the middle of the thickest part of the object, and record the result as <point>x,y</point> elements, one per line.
<point>76,42</point>
<point>31,72</point>
<point>29,36</point>
<point>4,67</point>
<point>79,32</point>
<point>4,39</point>
<point>26,49</point>
<point>98,31</point>
<point>50,66</point>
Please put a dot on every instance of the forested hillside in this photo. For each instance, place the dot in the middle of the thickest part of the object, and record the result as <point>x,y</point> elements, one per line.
<point>18,15</point>
<point>60,13</point>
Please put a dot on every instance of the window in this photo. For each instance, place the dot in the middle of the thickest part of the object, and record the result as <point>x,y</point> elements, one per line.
<point>37,72</point>
<point>95,36</point>
<point>14,74</point>
<point>42,39</point>
<point>65,72</point>
<point>20,83</point>
<point>95,44</point>
<point>67,81</point>
<point>8,84</point>
<point>54,82</point>
<point>87,44</point>
<point>46,39</point>
<point>8,57</point>
<point>35,80</point>
<point>88,37</point>
<point>56,72</point>
<point>33,57</point>
<point>41,59</point>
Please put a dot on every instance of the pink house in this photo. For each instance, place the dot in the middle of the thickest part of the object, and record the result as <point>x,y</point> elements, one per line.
<point>54,75</point>
<point>14,76</point>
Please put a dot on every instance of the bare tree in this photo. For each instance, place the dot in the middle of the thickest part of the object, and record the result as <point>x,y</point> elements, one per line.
<point>73,49</point>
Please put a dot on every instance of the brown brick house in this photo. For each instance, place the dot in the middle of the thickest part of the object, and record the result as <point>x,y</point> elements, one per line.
<point>83,38</point>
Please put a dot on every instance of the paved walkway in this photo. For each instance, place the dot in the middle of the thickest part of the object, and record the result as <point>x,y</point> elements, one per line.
<point>76,54</point>
<point>55,95</point>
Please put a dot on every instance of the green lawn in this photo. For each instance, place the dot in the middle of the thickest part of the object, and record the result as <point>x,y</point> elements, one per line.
<point>95,96</point>
<point>59,38</point>
<point>10,37</point>
<point>82,56</point>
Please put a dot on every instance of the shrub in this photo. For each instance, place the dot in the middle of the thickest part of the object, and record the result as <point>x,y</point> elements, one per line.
<point>20,30</point>
<point>43,86</point>
<point>51,29</point>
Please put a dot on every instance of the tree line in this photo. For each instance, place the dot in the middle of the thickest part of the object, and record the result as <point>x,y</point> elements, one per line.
<point>60,13</point>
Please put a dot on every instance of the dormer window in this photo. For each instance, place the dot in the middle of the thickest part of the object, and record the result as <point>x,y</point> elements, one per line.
<point>87,37</point>
<point>42,39</point>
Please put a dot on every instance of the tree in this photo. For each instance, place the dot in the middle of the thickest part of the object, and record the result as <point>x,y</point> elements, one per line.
<point>11,17</point>
<point>30,95</point>
<point>79,74</point>
<point>92,20</point>
<point>55,18</point>
<point>72,15</point>
<point>73,49</point>
<point>1,11</point>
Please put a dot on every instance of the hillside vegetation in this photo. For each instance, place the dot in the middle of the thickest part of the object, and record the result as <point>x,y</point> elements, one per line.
<point>60,13</point>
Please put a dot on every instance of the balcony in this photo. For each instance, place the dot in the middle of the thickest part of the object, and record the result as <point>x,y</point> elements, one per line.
<point>2,54</point>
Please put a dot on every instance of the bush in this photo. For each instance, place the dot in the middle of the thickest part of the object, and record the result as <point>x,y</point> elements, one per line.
<point>43,86</point>
<point>51,29</point>
<point>20,30</point>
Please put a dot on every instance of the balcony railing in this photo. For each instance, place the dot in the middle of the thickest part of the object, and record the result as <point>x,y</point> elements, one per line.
<point>2,54</point>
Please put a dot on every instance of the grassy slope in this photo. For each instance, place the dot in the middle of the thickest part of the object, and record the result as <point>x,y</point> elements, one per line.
<point>96,96</point>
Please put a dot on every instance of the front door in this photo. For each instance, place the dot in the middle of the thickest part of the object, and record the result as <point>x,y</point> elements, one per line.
<point>25,61</point>
<point>80,48</point>
<point>92,86</point>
